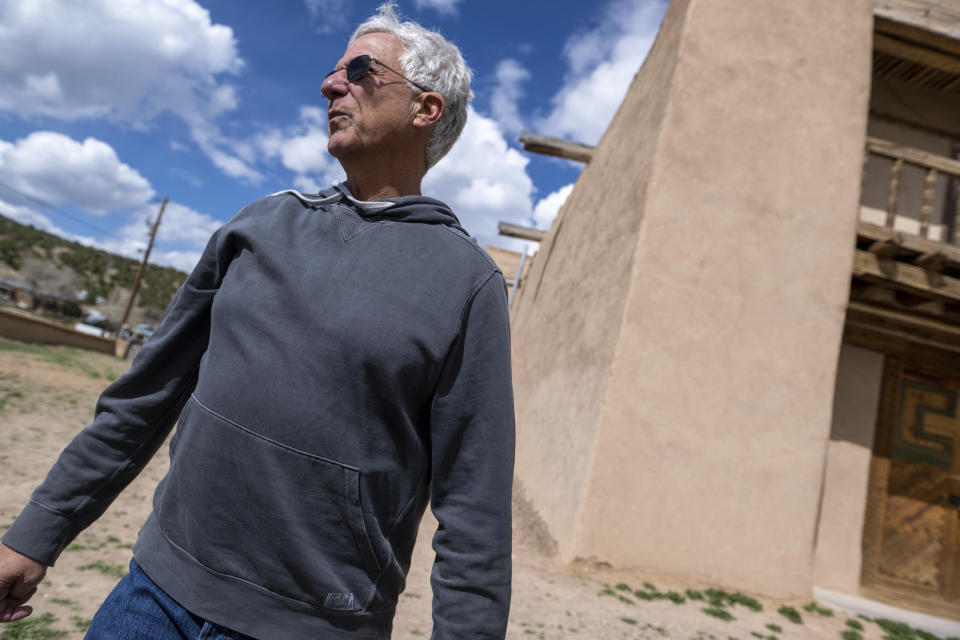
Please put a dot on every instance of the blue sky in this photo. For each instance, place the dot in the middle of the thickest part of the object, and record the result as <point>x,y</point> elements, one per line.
<point>108,105</point>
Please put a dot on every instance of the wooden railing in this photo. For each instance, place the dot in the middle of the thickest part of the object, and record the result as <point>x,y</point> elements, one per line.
<point>934,166</point>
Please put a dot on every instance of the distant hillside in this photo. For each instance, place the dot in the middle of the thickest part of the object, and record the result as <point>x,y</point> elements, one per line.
<point>63,267</point>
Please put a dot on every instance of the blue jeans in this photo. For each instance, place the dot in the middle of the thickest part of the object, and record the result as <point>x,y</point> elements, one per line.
<point>137,609</point>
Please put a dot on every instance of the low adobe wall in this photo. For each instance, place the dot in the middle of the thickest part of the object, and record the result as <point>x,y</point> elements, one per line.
<point>21,326</point>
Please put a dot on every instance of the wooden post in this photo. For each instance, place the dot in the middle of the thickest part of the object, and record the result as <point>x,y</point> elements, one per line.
<point>557,147</point>
<point>894,191</point>
<point>956,214</point>
<point>518,231</point>
<point>929,184</point>
<point>143,265</point>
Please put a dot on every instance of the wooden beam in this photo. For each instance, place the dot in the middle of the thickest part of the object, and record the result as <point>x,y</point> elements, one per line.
<point>902,334</point>
<point>547,145</point>
<point>905,276</point>
<point>912,155</point>
<point>916,53</point>
<point>517,231</point>
<point>885,248</point>
<point>931,261</point>
<point>911,243</point>
<point>936,39</point>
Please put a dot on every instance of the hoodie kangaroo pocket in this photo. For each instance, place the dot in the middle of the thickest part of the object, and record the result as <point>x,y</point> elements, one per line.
<point>253,509</point>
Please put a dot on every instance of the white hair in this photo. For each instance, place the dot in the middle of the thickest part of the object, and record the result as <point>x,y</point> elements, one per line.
<point>431,60</point>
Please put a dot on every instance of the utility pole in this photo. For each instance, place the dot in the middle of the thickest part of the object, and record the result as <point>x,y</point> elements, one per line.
<point>143,265</point>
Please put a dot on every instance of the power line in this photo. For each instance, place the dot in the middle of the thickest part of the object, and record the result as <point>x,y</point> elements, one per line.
<point>52,208</point>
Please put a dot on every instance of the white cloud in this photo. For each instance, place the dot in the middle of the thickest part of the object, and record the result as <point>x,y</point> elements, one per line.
<point>46,170</point>
<point>212,143</point>
<point>601,65</point>
<point>507,93</point>
<point>183,260</point>
<point>483,180</point>
<point>302,149</point>
<point>122,60</point>
<point>547,208</point>
<point>57,169</point>
<point>328,16</point>
<point>132,60</point>
<point>180,239</point>
<point>443,7</point>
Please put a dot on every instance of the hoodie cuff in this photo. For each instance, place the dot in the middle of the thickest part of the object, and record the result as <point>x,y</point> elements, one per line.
<point>39,534</point>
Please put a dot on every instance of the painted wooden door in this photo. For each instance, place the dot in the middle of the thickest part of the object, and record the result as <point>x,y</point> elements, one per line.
<point>911,545</point>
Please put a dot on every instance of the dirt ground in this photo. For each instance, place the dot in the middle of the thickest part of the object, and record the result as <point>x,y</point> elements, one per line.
<point>48,393</point>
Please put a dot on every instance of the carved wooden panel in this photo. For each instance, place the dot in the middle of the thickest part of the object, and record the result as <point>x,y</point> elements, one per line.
<point>911,546</point>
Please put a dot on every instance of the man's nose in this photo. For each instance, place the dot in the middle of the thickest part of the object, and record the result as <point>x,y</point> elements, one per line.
<point>334,84</point>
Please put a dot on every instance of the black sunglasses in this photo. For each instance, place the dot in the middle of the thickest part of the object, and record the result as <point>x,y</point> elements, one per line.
<point>359,68</point>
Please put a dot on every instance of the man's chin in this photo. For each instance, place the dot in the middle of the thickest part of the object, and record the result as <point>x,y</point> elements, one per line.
<point>337,147</point>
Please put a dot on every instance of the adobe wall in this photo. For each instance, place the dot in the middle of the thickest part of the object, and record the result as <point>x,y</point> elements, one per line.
<point>855,407</point>
<point>20,326</point>
<point>676,418</point>
<point>566,318</point>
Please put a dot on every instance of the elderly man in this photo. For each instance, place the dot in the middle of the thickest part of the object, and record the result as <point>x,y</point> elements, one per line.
<point>336,361</point>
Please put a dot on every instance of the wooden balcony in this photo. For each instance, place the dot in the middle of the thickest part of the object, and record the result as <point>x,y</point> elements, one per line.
<point>905,290</point>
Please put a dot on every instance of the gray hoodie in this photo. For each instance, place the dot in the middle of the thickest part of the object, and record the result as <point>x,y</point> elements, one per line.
<point>334,364</point>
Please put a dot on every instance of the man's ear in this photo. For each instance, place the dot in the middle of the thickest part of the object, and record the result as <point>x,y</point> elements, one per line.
<point>430,109</point>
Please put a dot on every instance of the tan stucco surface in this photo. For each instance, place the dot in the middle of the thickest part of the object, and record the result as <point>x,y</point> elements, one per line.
<point>675,374</point>
<point>567,316</point>
<point>855,406</point>
<point>20,326</point>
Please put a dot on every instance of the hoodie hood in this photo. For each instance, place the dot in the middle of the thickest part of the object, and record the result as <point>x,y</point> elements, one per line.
<point>402,209</point>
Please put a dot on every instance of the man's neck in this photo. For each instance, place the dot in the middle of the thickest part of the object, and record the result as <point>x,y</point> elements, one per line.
<point>379,180</point>
<point>380,189</point>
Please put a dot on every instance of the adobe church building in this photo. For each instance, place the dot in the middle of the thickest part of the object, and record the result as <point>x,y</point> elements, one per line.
<point>737,352</point>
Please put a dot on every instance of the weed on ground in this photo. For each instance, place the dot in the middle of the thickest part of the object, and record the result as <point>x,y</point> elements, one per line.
<point>37,627</point>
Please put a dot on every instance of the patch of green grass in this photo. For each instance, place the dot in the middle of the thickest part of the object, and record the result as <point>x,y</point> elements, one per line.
<point>790,614</point>
<point>114,570</point>
<point>901,631</point>
<point>66,357</point>
<point>850,634</point>
<point>813,607</point>
<point>622,586</point>
<point>694,594</point>
<point>629,620</point>
<point>7,396</point>
<point>675,597</point>
<point>80,624</point>
<point>718,612</point>
<point>721,598</point>
<point>856,625</point>
<point>775,628</point>
<point>625,600</point>
<point>63,602</point>
<point>32,628</point>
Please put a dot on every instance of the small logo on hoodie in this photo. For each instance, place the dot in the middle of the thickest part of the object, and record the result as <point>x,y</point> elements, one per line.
<point>339,601</point>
